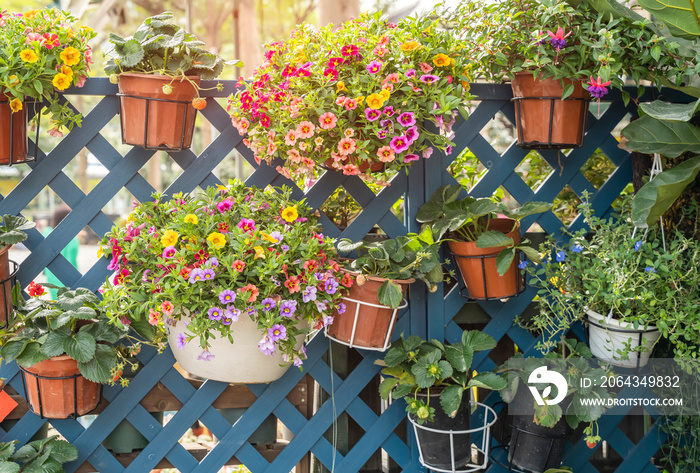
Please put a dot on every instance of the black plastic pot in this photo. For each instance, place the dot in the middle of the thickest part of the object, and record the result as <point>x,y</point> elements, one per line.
<point>435,447</point>
<point>533,447</point>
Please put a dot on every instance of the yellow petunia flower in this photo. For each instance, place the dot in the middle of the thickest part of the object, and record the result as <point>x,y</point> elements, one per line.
<point>385,94</point>
<point>375,101</point>
<point>410,46</point>
<point>269,238</point>
<point>14,80</point>
<point>259,252</point>
<point>217,240</point>
<point>169,238</point>
<point>290,214</point>
<point>100,252</point>
<point>15,105</point>
<point>191,218</point>
<point>61,81</point>
<point>70,56</point>
<point>340,87</point>
<point>443,60</point>
<point>30,14</point>
<point>28,55</point>
<point>360,99</point>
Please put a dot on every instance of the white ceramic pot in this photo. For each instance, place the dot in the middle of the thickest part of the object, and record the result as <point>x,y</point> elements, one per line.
<point>606,338</point>
<point>238,362</point>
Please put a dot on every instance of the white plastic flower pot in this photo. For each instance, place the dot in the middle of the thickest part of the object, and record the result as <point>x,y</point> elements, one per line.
<point>605,338</point>
<point>238,362</point>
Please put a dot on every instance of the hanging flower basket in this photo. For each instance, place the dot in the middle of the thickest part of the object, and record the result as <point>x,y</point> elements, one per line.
<point>606,337</point>
<point>13,133</point>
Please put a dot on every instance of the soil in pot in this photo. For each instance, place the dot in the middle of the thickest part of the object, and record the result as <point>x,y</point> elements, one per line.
<point>543,120</point>
<point>478,265</point>
<point>533,447</point>
<point>18,136</point>
<point>57,398</point>
<point>435,447</point>
<point>170,121</point>
<point>607,337</point>
<point>373,323</point>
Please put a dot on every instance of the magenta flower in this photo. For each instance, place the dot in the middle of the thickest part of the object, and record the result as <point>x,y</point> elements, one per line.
<point>331,72</point>
<point>277,332</point>
<point>372,114</point>
<point>410,157</point>
<point>429,78</point>
<point>412,134</point>
<point>399,144</point>
<point>349,50</point>
<point>558,40</point>
<point>374,67</point>
<point>427,152</point>
<point>598,89</point>
<point>247,224</point>
<point>168,252</point>
<point>407,119</point>
<point>224,206</point>
<point>411,73</point>
<point>389,111</point>
<point>381,134</point>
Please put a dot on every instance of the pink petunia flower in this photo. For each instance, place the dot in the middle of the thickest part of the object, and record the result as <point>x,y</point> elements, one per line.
<point>399,143</point>
<point>351,170</point>
<point>305,129</point>
<point>346,146</point>
<point>374,67</point>
<point>386,154</point>
<point>429,78</point>
<point>425,67</point>
<point>290,138</point>
<point>410,157</point>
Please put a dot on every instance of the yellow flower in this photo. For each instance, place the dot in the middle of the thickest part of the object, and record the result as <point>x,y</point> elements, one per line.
<point>375,101</point>
<point>443,60</point>
<point>14,80</point>
<point>360,99</point>
<point>217,240</point>
<point>70,56</point>
<point>15,105</point>
<point>70,33</point>
<point>191,218</point>
<point>259,252</point>
<point>30,14</point>
<point>410,46</point>
<point>299,54</point>
<point>28,55</point>
<point>67,71</point>
<point>290,214</point>
<point>340,86</point>
<point>100,253</point>
<point>169,238</point>
<point>268,237</point>
<point>61,81</point>
<point>385,94</point>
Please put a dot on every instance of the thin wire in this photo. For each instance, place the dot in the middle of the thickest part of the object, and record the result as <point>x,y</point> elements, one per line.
<point>334,431</point>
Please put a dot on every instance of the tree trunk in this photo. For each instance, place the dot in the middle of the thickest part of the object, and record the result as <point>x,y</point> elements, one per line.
<point>249,36</point>
<point>337,11</point>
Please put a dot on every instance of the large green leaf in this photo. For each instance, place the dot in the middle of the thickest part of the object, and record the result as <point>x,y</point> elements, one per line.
<point>53,346</point>
<point>81,347</point>
<point>390,294</point>
<point>72,300</point>
<point>394,356</point>
<point>460,356</point>
<point>477,340</point>
<point>493,239</point>
<point>680,16</point>
<point>487,380</point>
<point>504,260</point>
<point>9,467</point>
<point>528,208</point>
<point>657,195</point>
<point>31,355</point>
<point>670,138</point>
<point>612,7</point>
<point>451,398</point>
<point>62,451</point>
<point>386,386</point>
<point>12,349</point>
<point>681,112</point>
<point>99,367</point>
<point>429,212</point>
<point>130,53</point>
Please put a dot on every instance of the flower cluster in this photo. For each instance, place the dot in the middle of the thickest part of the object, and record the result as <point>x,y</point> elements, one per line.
<point>44,52</point>
<point>356,99</point>
<point>231,252</point>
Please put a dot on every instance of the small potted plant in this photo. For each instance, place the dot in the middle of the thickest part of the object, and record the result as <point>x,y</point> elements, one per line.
<point>382,272</point>
<point>46,455</point>
<point>45,52</point>
<point>629,289</point>
<point>539,432</point>
<point>360,98</point>
<point>484,237</point>
<point>12,231</point>
<point>158,70</point>
<point>435,379</point>
<point>234,273</point>
<point>63,346</point>
<point>558,54</point>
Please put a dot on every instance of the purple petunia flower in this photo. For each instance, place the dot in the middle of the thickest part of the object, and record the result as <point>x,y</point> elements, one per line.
<point>429,78</point>
<point>341,308</point>
<point>206,355</point>
<point>372,114</point>
<point>181,340</point>
<point>285,248</point>
<point>412,134</point>
<point>212,262</point>
<point>327,320</point>
<point>231,315</point>
<point>267,346</point>
<point>374,67</point>
<point>268,304</point>
<point>561,256</point>
<point>277,236</point>
<point>227,296</point>
<point>407,119</point>
<point>208,274</point>
<point>251,311</point>
<point>399,143</point>
<point>386,123</point>
<point>215,313</point>
<point>196,275</point>
<point>309,294</point>
<point>276,282</point>
<point>318,276</point>
<point>331,285</point>
<point>287,308</point>
<point>297,361</point>
<point>321,306</point>
<point>277,332</point>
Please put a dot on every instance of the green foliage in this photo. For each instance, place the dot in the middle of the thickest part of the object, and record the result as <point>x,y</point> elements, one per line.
<point>72,325</point>
<point>680,16</point>
<point>12,229</point>
<point>414,255</point>
<point>413,365</point>
<point>40,456</point>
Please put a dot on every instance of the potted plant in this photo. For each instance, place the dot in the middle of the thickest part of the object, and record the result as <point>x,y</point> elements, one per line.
<point>359,98</point>
<point>235,272</point>
<point>484,237</point>
<point>12,231</point>
<point>158,70</point>
<point>629,289</point>
<point>434,379</point>
<point>382,272</point>
<point>65,349</point>
<point>45,52</point>
<point>38,456</point>
<point>539,432</point>
<point>559,54</point>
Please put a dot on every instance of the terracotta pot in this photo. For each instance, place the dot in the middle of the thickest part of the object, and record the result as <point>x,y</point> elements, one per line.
<point>6,286</point>
<point>474,273</point>
<point>374,324</point>
<point>19,132</point>
<point>170,125</point>
<point>56,398</point>
<point>374,166</point>
<point>543,120</point>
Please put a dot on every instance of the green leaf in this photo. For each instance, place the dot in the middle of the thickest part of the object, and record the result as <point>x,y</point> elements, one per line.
<point>532,254</point>
<point>9,467</point>
<point>493,239</point>
<point>402,390</point>
<point>131,53</point>
<point>99,367</point>
<point>528,208</point>
<point>670,138</point>
<point>394,356</point>
<point>31,355</point>
<point>680,16</point>
<point>568,90</point>
<point>390,294</point>
<point>62,451</point>
<point>681,112</point>
<point>53,346</point>
<point>450,399</point>
<point>12,349</point>
<point>386,387</point>
<point>477,340</point>
<point>346,246</point>
<point>80,347</point>
<point>504,260</point>
<point>487,380</point>
<point>657,195</point>
<point>460,356</point>
<point>73,300</point>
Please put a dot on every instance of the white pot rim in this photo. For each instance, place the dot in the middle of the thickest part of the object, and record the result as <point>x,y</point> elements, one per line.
<point>615,325</point>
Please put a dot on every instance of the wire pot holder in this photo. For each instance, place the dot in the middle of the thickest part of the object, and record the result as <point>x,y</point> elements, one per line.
<point>73,415</point>
<point>519,275</point>
<point>28,158</point>
<point>549,144</point>
<point>358,305</point>
<point>6,290</point>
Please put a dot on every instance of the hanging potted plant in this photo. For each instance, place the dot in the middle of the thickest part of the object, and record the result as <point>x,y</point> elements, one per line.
<point>557,55</point>
<point>235,273</point>
<point>484,237</point>
<point>12,231</point>
<point>539,432</point>
<point>158,70</point>
<point>65,349</point>
<point>46,455</point>
<point>382,273</point>
<point>45,52</point>
<point>435,380</point>
<point>629,289</point>
<point>358,99</point>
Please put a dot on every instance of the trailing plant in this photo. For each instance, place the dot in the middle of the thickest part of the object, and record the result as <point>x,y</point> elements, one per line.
<point>468,219</point>
<point>40,456</point>
<point>415,365</point>
<point>414,255</point>
<point>13,228</point>
<point>73,324</point>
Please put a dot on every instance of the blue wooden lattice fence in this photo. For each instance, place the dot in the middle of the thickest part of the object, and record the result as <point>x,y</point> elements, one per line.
<point>430,314</point>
